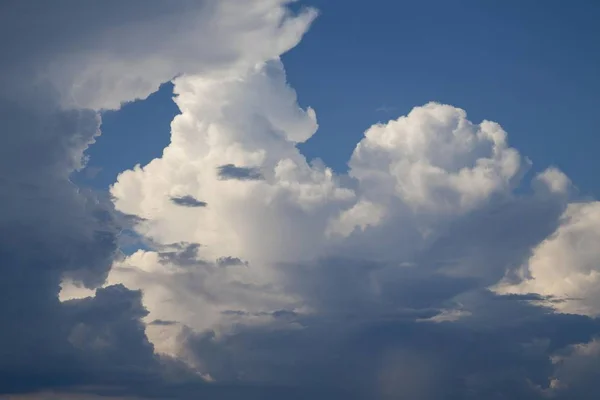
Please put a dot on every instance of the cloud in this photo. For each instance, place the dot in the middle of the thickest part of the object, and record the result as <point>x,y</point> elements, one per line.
<point>436,160</point>
<point>62,63</point>
<point>98,54</point>
<point>576,370</point>
<point>184,254</point>
<point>49,230</point>
<point>230,171</point>
<point>375,269</point>
<point>565,264</point>
<point>230,261</point>
<point>188,201</point>
<point>295,282</point>
<point>249,120</point>
<point>399,358</point>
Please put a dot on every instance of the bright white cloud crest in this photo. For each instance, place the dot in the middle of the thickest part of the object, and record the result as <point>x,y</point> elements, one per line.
<point>566,264</point>
<point>436,160</point>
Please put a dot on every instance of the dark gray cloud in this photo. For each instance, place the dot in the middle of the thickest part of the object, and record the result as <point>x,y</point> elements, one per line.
<point>49,229</point>
<point>231,262</point>
<point>401,358</point>
<point>162,322</point>
<point>375,334</point>
<point>230,171</point>
<point>183,254</point>
<point>281,314</point>
<point>188,201</point>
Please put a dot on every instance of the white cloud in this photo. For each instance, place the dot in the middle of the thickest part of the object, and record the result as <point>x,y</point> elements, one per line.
<point>113,53</point>
<point>417,180</point>
<point>436,160</point>
<point>554,181</point>
<point>248,121</point>
<point>566,265</point>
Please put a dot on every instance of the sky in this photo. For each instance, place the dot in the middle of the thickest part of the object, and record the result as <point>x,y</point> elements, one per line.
<point>532,68</point>
<point>304,200</point>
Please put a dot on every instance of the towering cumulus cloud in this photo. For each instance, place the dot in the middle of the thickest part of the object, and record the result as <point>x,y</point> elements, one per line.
<point>420,274</point>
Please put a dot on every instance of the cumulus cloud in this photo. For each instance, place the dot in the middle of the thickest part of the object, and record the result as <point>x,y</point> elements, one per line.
<point>427,221</point>
<point>231,127</point>
<point>436,160</point>
<point>422,273</point>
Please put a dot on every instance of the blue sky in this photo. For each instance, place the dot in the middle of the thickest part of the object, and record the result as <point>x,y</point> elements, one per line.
<point>532,68</point>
